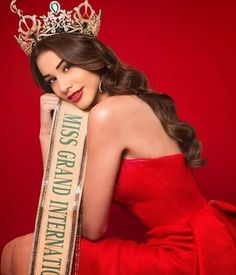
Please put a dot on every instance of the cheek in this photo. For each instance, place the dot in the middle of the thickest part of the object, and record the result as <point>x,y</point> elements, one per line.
<point>57,93</point>
<point>95,81</point>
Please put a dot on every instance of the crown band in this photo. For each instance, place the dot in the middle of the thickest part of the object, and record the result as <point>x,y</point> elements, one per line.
<point>33,29</point>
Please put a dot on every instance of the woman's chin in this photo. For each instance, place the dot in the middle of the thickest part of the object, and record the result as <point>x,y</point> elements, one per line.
<point>81,106</point>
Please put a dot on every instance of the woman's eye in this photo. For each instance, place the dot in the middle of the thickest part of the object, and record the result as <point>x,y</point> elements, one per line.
<point>67,67</point>
<point>51,81</point>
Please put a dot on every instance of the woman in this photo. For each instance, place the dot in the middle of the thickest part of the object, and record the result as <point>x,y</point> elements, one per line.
<point>139,155</point>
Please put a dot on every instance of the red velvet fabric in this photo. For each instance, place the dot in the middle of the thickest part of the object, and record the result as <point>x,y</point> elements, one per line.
<point>185,234</point>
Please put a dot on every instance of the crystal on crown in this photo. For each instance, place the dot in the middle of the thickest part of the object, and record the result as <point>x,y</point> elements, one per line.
<point>33,29</point>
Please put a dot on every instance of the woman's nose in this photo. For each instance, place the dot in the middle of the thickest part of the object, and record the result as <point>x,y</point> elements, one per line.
<point>64,85</point>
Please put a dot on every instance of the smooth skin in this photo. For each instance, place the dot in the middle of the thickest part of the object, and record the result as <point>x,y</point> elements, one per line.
<point>118,127</point>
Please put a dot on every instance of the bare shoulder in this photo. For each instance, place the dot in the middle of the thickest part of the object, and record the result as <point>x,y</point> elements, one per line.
<point>115,108</point>
<point>108,123</point>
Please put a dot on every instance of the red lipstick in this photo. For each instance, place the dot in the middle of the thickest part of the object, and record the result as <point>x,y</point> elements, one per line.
<point>76,96</point>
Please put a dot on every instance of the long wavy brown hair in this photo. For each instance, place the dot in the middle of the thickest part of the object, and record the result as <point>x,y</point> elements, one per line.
<point>119,79</point>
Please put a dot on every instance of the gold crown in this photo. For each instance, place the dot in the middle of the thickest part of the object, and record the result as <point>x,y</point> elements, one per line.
<point>33,29</point>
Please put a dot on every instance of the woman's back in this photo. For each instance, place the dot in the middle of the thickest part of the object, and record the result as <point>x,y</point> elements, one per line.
<point>142,132</point>
<point>159,191</point>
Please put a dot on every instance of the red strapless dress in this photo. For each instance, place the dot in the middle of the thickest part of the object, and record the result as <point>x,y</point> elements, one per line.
<point>185,233</point>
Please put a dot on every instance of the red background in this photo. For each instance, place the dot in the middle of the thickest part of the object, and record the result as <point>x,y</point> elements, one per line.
<point>186,48</point>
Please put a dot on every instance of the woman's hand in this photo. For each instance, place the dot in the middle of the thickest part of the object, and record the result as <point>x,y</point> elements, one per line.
<point>48,103</point>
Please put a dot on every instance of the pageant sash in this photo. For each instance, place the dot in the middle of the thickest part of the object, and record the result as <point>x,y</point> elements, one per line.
<point>58,210</point>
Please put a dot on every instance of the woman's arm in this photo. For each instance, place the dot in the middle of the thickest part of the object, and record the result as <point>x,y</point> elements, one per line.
<point>48,102</point>
<point>104,148</point>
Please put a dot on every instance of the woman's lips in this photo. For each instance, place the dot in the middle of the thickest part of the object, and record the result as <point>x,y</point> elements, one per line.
<point>76,96</point>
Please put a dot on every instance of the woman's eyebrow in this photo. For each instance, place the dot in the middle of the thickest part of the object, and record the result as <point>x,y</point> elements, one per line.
<point>57,67</point>
<point>59,64</point>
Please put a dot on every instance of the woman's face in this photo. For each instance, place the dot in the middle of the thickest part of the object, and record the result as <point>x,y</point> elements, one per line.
<point>69,82</point>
